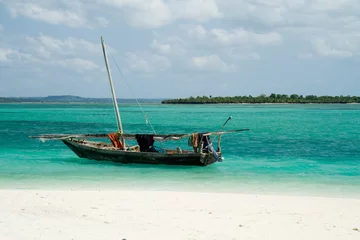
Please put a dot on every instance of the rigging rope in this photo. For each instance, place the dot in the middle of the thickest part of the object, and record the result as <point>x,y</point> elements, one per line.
<point>145,115</point>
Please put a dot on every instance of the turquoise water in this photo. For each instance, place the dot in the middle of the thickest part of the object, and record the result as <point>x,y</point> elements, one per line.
<point>297,149</point>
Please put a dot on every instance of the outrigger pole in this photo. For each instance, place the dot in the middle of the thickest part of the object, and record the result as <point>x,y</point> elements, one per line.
<point>158,137</point>
<point>118,118</point>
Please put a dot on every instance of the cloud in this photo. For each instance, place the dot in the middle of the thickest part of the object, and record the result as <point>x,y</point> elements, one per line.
<point>336,43</point>
<point>5,54</point>
<point>78,64</point>
<point>325,29</point>
<point>158,13</point>
<point>241,54</point>
<point>72,53</point>
<point>162,48</point>
<point>326,6</point>
<point>185,39</point>
<point>52,16</point>
<point>101,21</point>
<point>237,36</point>
<point>195,31</point>
<point>53,12</point>
<point>341,40</point>
<point>241,36</point>
<point>264,12</point>
<point>47,46</point>
<point>138,13</point>
<point>210,62</point>
<point>323,48</point>
<point>147,62</point>
<point>8,55</point>
<point>206,46</point>
<point>148,14</point>
<point>285,12</point>
<point>306,55</point>
<point>198,10</point>
<point>170,45</point>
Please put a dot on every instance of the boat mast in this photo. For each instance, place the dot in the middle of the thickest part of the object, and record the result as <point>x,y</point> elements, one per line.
<point>118,118</point>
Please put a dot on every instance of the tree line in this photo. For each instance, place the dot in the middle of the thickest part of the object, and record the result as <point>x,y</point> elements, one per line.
<point>272,98</point>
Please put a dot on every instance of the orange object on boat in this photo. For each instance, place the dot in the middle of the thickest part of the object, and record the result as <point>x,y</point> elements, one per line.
<point>114,137</point>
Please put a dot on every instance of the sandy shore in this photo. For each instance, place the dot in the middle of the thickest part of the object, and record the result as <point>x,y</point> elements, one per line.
<point>133,215</point>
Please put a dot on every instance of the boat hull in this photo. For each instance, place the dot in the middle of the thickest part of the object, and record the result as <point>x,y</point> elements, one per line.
<point>97,153</point>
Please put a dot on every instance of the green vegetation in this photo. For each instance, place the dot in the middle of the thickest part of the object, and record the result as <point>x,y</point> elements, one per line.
<point>273,98</point>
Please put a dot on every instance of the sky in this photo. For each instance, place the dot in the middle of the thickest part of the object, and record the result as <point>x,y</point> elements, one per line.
<point>179,48</point>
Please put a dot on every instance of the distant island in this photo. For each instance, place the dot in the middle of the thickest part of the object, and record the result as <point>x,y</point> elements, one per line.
<point>72,99</point>
<point>272,98</point>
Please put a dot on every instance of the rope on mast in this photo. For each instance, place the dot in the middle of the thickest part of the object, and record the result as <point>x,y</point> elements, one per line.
<point>145,115</point>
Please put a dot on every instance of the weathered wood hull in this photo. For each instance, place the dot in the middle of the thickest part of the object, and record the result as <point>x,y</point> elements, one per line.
<point>97,153</point>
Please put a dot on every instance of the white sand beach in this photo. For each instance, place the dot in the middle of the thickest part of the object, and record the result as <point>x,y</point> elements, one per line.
<point>138,215</point>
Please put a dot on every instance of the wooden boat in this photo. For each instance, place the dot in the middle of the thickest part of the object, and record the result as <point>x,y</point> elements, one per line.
<point>202,153</point>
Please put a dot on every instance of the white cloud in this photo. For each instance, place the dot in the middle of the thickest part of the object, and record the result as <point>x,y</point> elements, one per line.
<point>162,48</point>
<point>46,47</point>
<point>210,62</point>
<point>329,28</point>
<point>323,48</point>
<point>241,36</point>
<point>139,13</point>
<point>342,40</point>
<point>4,54</point>
<point>170,45</point>
<point>13,55</point>
<point>237,36</point>
<point>218,35</point>
<point>78,64</point>
<point>147,62</point>
<point>324,5</point>
<point>73,14</point>
<point>199,10</point>
<point>195,31</point>
<point>250,56</point>
<point>150,13</point>
<point>306,55</point>
<point>284,12</point>
<point>52,16</point>
<point>241,54</point>
<point>265,12</point>
<point>158,13</point>
<point>101,21</point>
<point>71,53</point>
<point>207,46</point>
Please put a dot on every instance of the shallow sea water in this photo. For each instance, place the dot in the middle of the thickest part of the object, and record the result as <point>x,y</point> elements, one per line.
<point>291,149</point>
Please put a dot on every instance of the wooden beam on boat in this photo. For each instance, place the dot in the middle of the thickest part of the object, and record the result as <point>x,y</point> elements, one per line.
<point>157,137</point>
